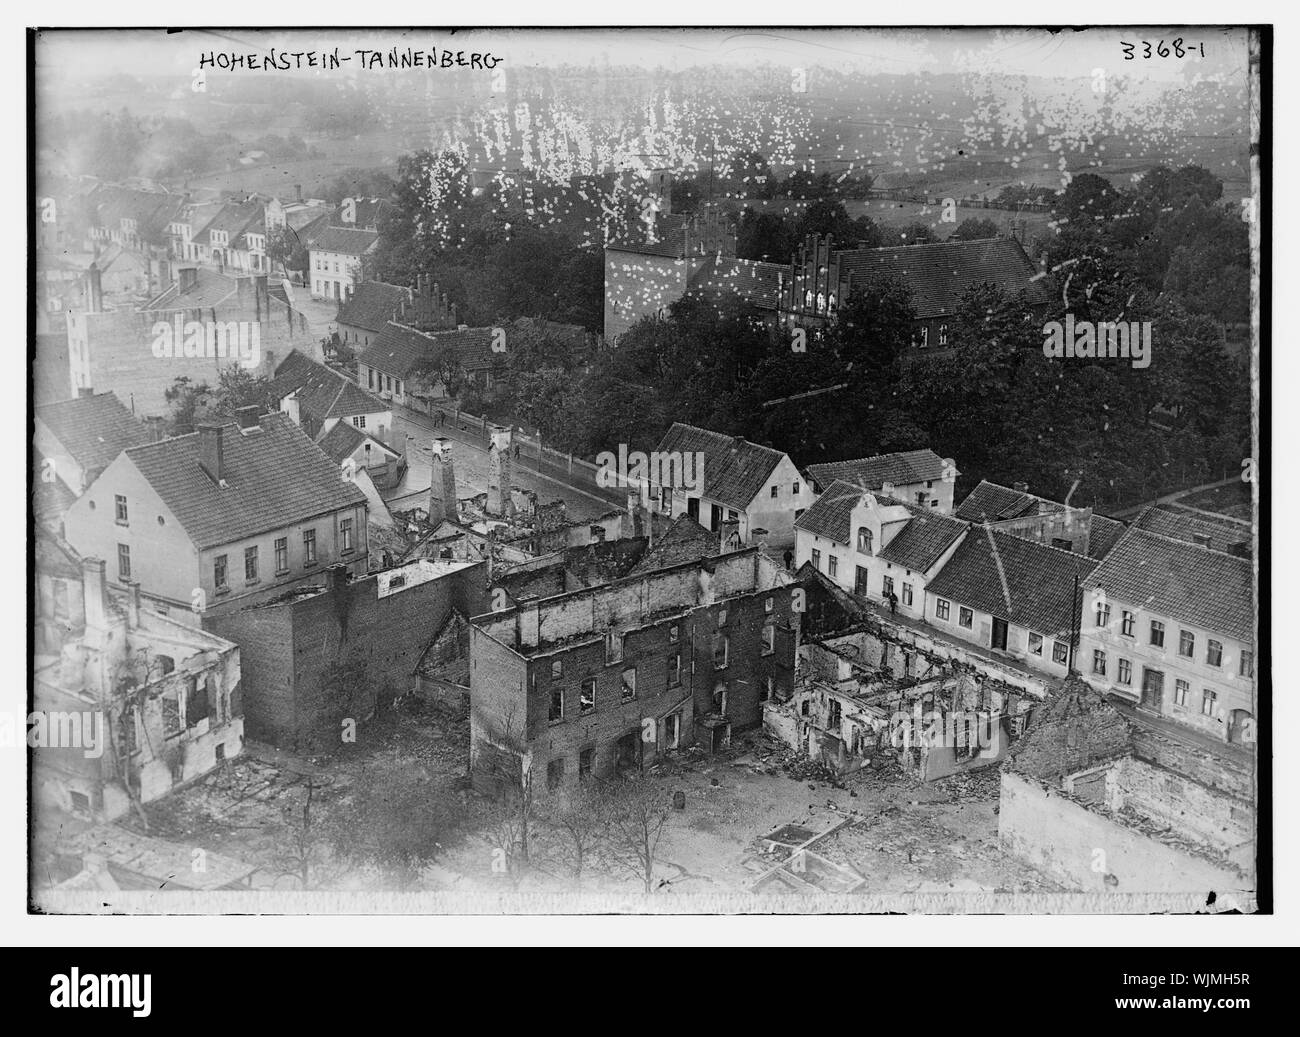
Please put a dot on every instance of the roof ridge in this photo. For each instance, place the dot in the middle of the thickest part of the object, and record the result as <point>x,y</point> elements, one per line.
<point>1036,543</point>
<point>1135,528</point>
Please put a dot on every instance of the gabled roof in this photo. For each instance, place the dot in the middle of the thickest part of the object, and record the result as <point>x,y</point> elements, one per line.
<point>93,429</point>
<point>367,212</point>
<point>397,350</point>
<point>1196,585</point>
<point>754,281</point>
<point>939,274</point>
<point>1103,535</point>
<point>151,210</point>
<point>996,503</point>
<point>343,439</point>
<point>1180,522</point>
<point>322,392</point>
<point>232,219</point>
<point>346,240</point>
<point>918,545</point>
<point>373,304</point>
<point>275,476</point>
<point>684,541</point>
<point>735,470</point>
<point>901,468</point>
<point>1021,581</point>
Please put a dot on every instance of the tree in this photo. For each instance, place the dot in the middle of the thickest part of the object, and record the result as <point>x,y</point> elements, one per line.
<point>637,812</point>
<point>581,821</point>
<point>396,819</point>
<point>973,228</point>
<point>503,766</point>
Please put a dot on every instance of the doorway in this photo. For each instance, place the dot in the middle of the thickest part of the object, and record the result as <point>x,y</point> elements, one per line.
<point>999,633</point>
<point>1153,690</point>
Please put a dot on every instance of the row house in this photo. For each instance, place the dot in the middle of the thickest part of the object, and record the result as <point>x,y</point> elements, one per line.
<point>599,681</point>
<point>317,398</point>
<point>918,477</point>
<point>1013,509</point>
<point>876,546</point>
<point>233,239</point>
<point>339,259</point>
<point>229,515</point>
<point>150,704</point>
<point>1011,596</point>
<point>716,479</point>
<point>1169,626</point>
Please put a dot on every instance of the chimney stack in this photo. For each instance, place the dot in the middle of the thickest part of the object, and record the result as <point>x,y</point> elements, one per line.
<point>95,593</point>
<point>212,450</point>
<point>1021,487</point>
<point>500,471</point>
<point>247,417</point>
<point>96,288</point>
<point>297,192</point>
<point>886,489</point>
<point>728,536</point>
<point>442,484</point>
<point>187,278</point>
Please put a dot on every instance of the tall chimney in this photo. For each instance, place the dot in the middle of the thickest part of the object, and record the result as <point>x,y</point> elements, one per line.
<point>212,450</point>
<point>95,593</point>
<point>442,484</point>
<point>297,191</point>
<point>500,471</point>
<point>96,288</point>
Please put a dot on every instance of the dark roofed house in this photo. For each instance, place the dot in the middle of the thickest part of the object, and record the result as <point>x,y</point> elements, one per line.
<point>365,313</point>
<point>875,546</point>
<point>735,480</point>
<point>81,437</point>
<point>1203,528</point>
<point>917,476</point>
<point>1011,595</point>
<point>221,517</point>
<point>1017,511</point>
<point>400,356</point>
<point>317,397</point>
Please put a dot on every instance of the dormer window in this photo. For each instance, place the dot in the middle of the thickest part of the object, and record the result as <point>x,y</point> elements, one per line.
<point>864,540</point>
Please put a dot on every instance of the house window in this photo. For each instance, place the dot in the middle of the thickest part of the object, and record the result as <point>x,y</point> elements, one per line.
<point>1208,700</point>
<point>816,559</point>
<point>555,773</point>
<point>907,594</point>
<point>309,546</point>
<point>586,761</point>
<point>1035,644</point>
<point>1099,662</point>
<point>628,692</point>
<point>769,604</point>
<point>1186,643</point>
<point>674,633</point>
<point>769,638</point>
<point>345,532</point>
<point>556,711</point>
<point>1126,623</point>
<point>1103,613</point>
<point>721,651</point>
<point>776,490</point>
<point>196,701</point>
<point>832,566</point>
<point>587,695</point>
<point>672,730</point>
<point>123,562</point>
<point>1060,652</point>
<point>675,670</point>
<point>1181,689</point>
<point>557,669</point>
<point>864,540</point>
<point>250,563</point>
<point>1214,653</point>
<point>1200,540</point>
<point>942,608</point>
<point>171,713</point>
<point>925,336</point>
<point>1125,675</point>
<point>359,421</point>
<point>119,507</point>
<point>1246,668</point>
<point>794,489</point>
<point>1157,633</point>
<point>722,617</point>
<point>887,586</point>
<point>370,377</point>
<point>282,555</point>
<point>965,617</point>
<point>613,647</point>
<point>943,334</point>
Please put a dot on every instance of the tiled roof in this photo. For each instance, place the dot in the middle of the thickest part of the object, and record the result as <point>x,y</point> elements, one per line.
<point>275,476</point>
<point>734,468</point>
<point>93,429</point>
<point>1103,535</point>
<point>473,347</point>
<point>754,281</point>
<point>1180,522</point>
<point>346,240</point>
<point>1023,582</point>
<point>684,541</point>
<point>668,239</point>
<point>939,274</point>
<point>367,213</point>
<point>1197,585</point>
<point>372,305</point>
<point>397,350</point>
<point>918,545</point>
<point>343,439</point>
<point>232,219</point>
<point>901,468</point>
<point>210,288</point>
<point>322,393</point>
<point>994,503</point>
<point>151,210</point>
